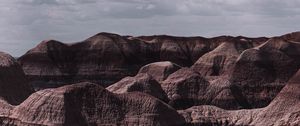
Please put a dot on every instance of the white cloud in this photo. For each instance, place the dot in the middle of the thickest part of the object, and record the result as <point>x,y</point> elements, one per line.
<point>30,21</point>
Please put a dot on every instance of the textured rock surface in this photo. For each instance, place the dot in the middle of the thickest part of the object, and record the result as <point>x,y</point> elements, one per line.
<point>5,108</point>
<point>219,94</point>
<point>282,111</point>
<point>285,108</point>
<point>261,72</point>
<point>142,83</point>
<point>185,88</point>
<point>211,115</point>
<point>90,104</point>
<point>14,87</point>
<point>160,70</point>
<point>106,58</point>
<point>103,58</point>
<point>231,81</point>
<point>185,51</point>
<point>221,60</point>
<point>294,36</point>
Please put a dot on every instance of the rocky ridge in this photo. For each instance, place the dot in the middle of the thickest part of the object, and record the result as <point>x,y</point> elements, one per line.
<point>154,80</point>
<point>107,58</point>
<point>282,111</point>
<point>14,86</point>
<point>97,106</point>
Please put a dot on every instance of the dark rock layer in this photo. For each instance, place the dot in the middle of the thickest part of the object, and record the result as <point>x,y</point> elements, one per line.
<point>90,104</point>
<point>221,60</point>
<point>106,58</point>
<point>226,73</point>
<point>185,88</point>
<point>261,72</point>
<point>141,83</point>
<point>103,58</point>
<point>14,87</point>
<point>282,111</point>
<point>160,70</point>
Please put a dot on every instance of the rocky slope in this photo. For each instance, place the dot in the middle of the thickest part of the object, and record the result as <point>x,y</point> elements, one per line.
<point>142,83</point>
<point>182,85</point>
<point>106,58</point>
<point>285,106</point>
<point>103,58</point>
<point>185,88</point>
<point>160,70</point>
<point>97,106</point>
<point>14,87</point>
<point>294,36</point>
<point>261,72</point>
<point>282,111</point>
<point>222,59</point>
<point>147,80</point>
<point>154,80</point>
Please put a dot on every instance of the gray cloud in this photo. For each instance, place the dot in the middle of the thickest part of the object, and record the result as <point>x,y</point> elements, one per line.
<point>24,23</point>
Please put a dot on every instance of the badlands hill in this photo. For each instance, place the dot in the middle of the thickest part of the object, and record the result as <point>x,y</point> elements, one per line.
<point>106,58</point>
<point>109,79</point>
<point>14,86</point>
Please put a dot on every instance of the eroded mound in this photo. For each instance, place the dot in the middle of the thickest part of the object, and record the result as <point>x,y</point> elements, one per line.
<point>294,36</point>
<point>160,70</point>
<point>282,111</point>
<point>106,58</point>
<point>141,83</point>
<point>14,85</point>
<point>228,72</point>
<point>90,104</point>
<point>261,72</point>
<point>221,60</point>
<point>185,88</point>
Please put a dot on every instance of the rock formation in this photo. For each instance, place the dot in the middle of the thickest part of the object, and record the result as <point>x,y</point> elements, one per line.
<point>185,88</point>
<point>90,104</point>
<point>103,58</point>
<point>142,83</point>
<point>261,72</point>
<point>282,111</point>
<point>294,36</point>
<point>106,58</point>
<point>219,94</point>
<point>221,60</point>
<point>14,87</point>
<point>160,70</point>
<point>185,51</point>
<point>285,108</point>
<point>164,80</point>
<point>180,84</point>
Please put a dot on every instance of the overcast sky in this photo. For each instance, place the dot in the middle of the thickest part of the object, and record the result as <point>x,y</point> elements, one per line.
<point>24,23</point>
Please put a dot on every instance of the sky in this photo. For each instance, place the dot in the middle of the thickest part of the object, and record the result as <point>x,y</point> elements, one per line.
<point>25,23</point>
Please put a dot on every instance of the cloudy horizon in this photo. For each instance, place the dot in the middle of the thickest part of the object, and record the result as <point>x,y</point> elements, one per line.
<point>24,23</point>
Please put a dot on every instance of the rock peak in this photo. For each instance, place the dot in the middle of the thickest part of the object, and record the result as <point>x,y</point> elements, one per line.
<point>106,34</point>
<point>294,36</point>
<point>6,59</point>
<point>14,85</point>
